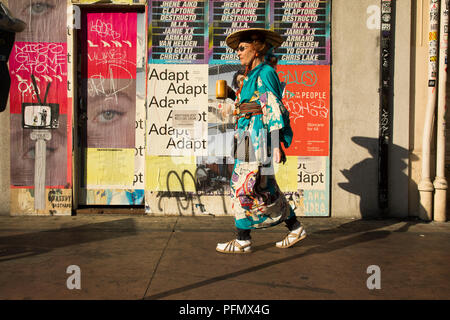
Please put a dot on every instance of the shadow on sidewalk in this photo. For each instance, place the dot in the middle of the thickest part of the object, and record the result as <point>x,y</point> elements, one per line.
<point>325,248</point>
<point>364,230</point>
<point>31,244</point>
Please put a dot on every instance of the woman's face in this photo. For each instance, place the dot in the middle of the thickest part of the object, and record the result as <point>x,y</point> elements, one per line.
<point>46,19</point>
<point>111,110</point>
<point>246,52</point>
<point>24,149</point>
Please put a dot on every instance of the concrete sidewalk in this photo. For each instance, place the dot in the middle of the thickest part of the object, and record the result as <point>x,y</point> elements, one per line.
<point>140,257</point>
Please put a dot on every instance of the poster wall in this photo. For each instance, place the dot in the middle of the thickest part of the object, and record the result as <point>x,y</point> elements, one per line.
<point>41,135</point>
<point>153,122</point>
<point>303,68</point>
<point>114,87</point>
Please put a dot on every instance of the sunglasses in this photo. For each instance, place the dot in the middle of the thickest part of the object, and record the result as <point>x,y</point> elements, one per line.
<point>241,48</point>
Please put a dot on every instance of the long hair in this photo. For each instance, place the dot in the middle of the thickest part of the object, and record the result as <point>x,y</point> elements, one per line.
<point>234,83</point>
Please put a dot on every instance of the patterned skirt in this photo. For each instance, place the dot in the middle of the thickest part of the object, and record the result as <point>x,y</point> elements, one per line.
<point>257,201</point>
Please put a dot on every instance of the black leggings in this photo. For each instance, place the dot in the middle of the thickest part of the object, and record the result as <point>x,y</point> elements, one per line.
<point>291,223</point>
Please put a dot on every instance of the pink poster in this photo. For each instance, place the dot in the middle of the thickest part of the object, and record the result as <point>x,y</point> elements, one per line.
<point>47,61</point>
<point>111,45</point>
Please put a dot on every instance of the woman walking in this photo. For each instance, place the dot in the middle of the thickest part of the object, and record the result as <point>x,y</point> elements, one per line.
<point>262,124</point>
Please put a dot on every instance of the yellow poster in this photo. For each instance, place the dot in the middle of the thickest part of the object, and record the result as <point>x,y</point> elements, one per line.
<point>110,168</point>
<point>174,174</point>
<point>286,174</point>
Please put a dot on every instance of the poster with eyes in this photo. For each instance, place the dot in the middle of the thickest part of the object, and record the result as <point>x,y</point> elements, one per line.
<point>39,79</point>
<point>114,85</point>
<point>46,20</point>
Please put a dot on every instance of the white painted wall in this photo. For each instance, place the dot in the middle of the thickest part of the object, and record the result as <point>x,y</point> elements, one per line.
<point>355,110</point>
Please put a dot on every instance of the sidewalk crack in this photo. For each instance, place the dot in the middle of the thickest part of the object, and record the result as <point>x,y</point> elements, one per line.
<point>159,260</point>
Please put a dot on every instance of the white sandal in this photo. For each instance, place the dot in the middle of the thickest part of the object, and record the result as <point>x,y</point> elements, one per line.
<point>292,238</point>
<point>234,246</point>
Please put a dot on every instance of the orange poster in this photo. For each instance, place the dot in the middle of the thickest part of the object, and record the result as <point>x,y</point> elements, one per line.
<point>307,97</point>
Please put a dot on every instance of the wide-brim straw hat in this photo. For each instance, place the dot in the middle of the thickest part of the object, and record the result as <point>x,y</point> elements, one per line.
<point>246,35</point>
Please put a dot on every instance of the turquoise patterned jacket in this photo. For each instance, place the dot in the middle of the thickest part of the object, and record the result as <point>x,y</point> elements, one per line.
<point>263,86</point>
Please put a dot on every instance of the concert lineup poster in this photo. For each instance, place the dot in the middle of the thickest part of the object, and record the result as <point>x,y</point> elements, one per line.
<point>305,28</point>
<point>307,97</point>
<point>226,17</point>
<point>178,32</point>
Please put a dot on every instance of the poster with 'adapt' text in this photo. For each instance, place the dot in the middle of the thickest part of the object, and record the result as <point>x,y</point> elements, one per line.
<point>177,102</point>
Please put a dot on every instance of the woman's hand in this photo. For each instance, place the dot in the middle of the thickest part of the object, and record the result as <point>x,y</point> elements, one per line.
<point>277,155</point>
<point>226,110</point>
